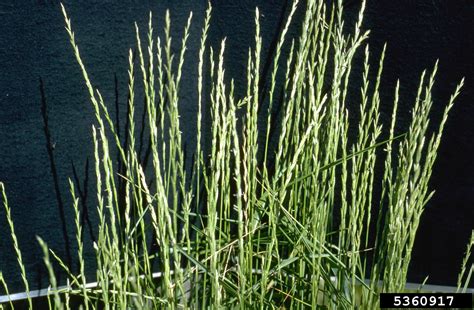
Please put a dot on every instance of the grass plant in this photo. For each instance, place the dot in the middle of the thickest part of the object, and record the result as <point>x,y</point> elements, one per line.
<point>248,225</point>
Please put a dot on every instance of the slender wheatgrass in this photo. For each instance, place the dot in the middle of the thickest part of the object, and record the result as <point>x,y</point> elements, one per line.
<point>16,245</point>
<point>254,225</point>
<point>80,246</point>
<point>5,287</point>
<point>464,266</point>
<point>52,277</point>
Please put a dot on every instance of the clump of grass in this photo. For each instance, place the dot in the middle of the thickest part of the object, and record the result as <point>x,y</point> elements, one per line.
<point>248,225</point>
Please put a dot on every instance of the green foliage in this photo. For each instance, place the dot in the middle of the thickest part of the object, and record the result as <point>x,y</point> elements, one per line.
<point>250,227</point>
